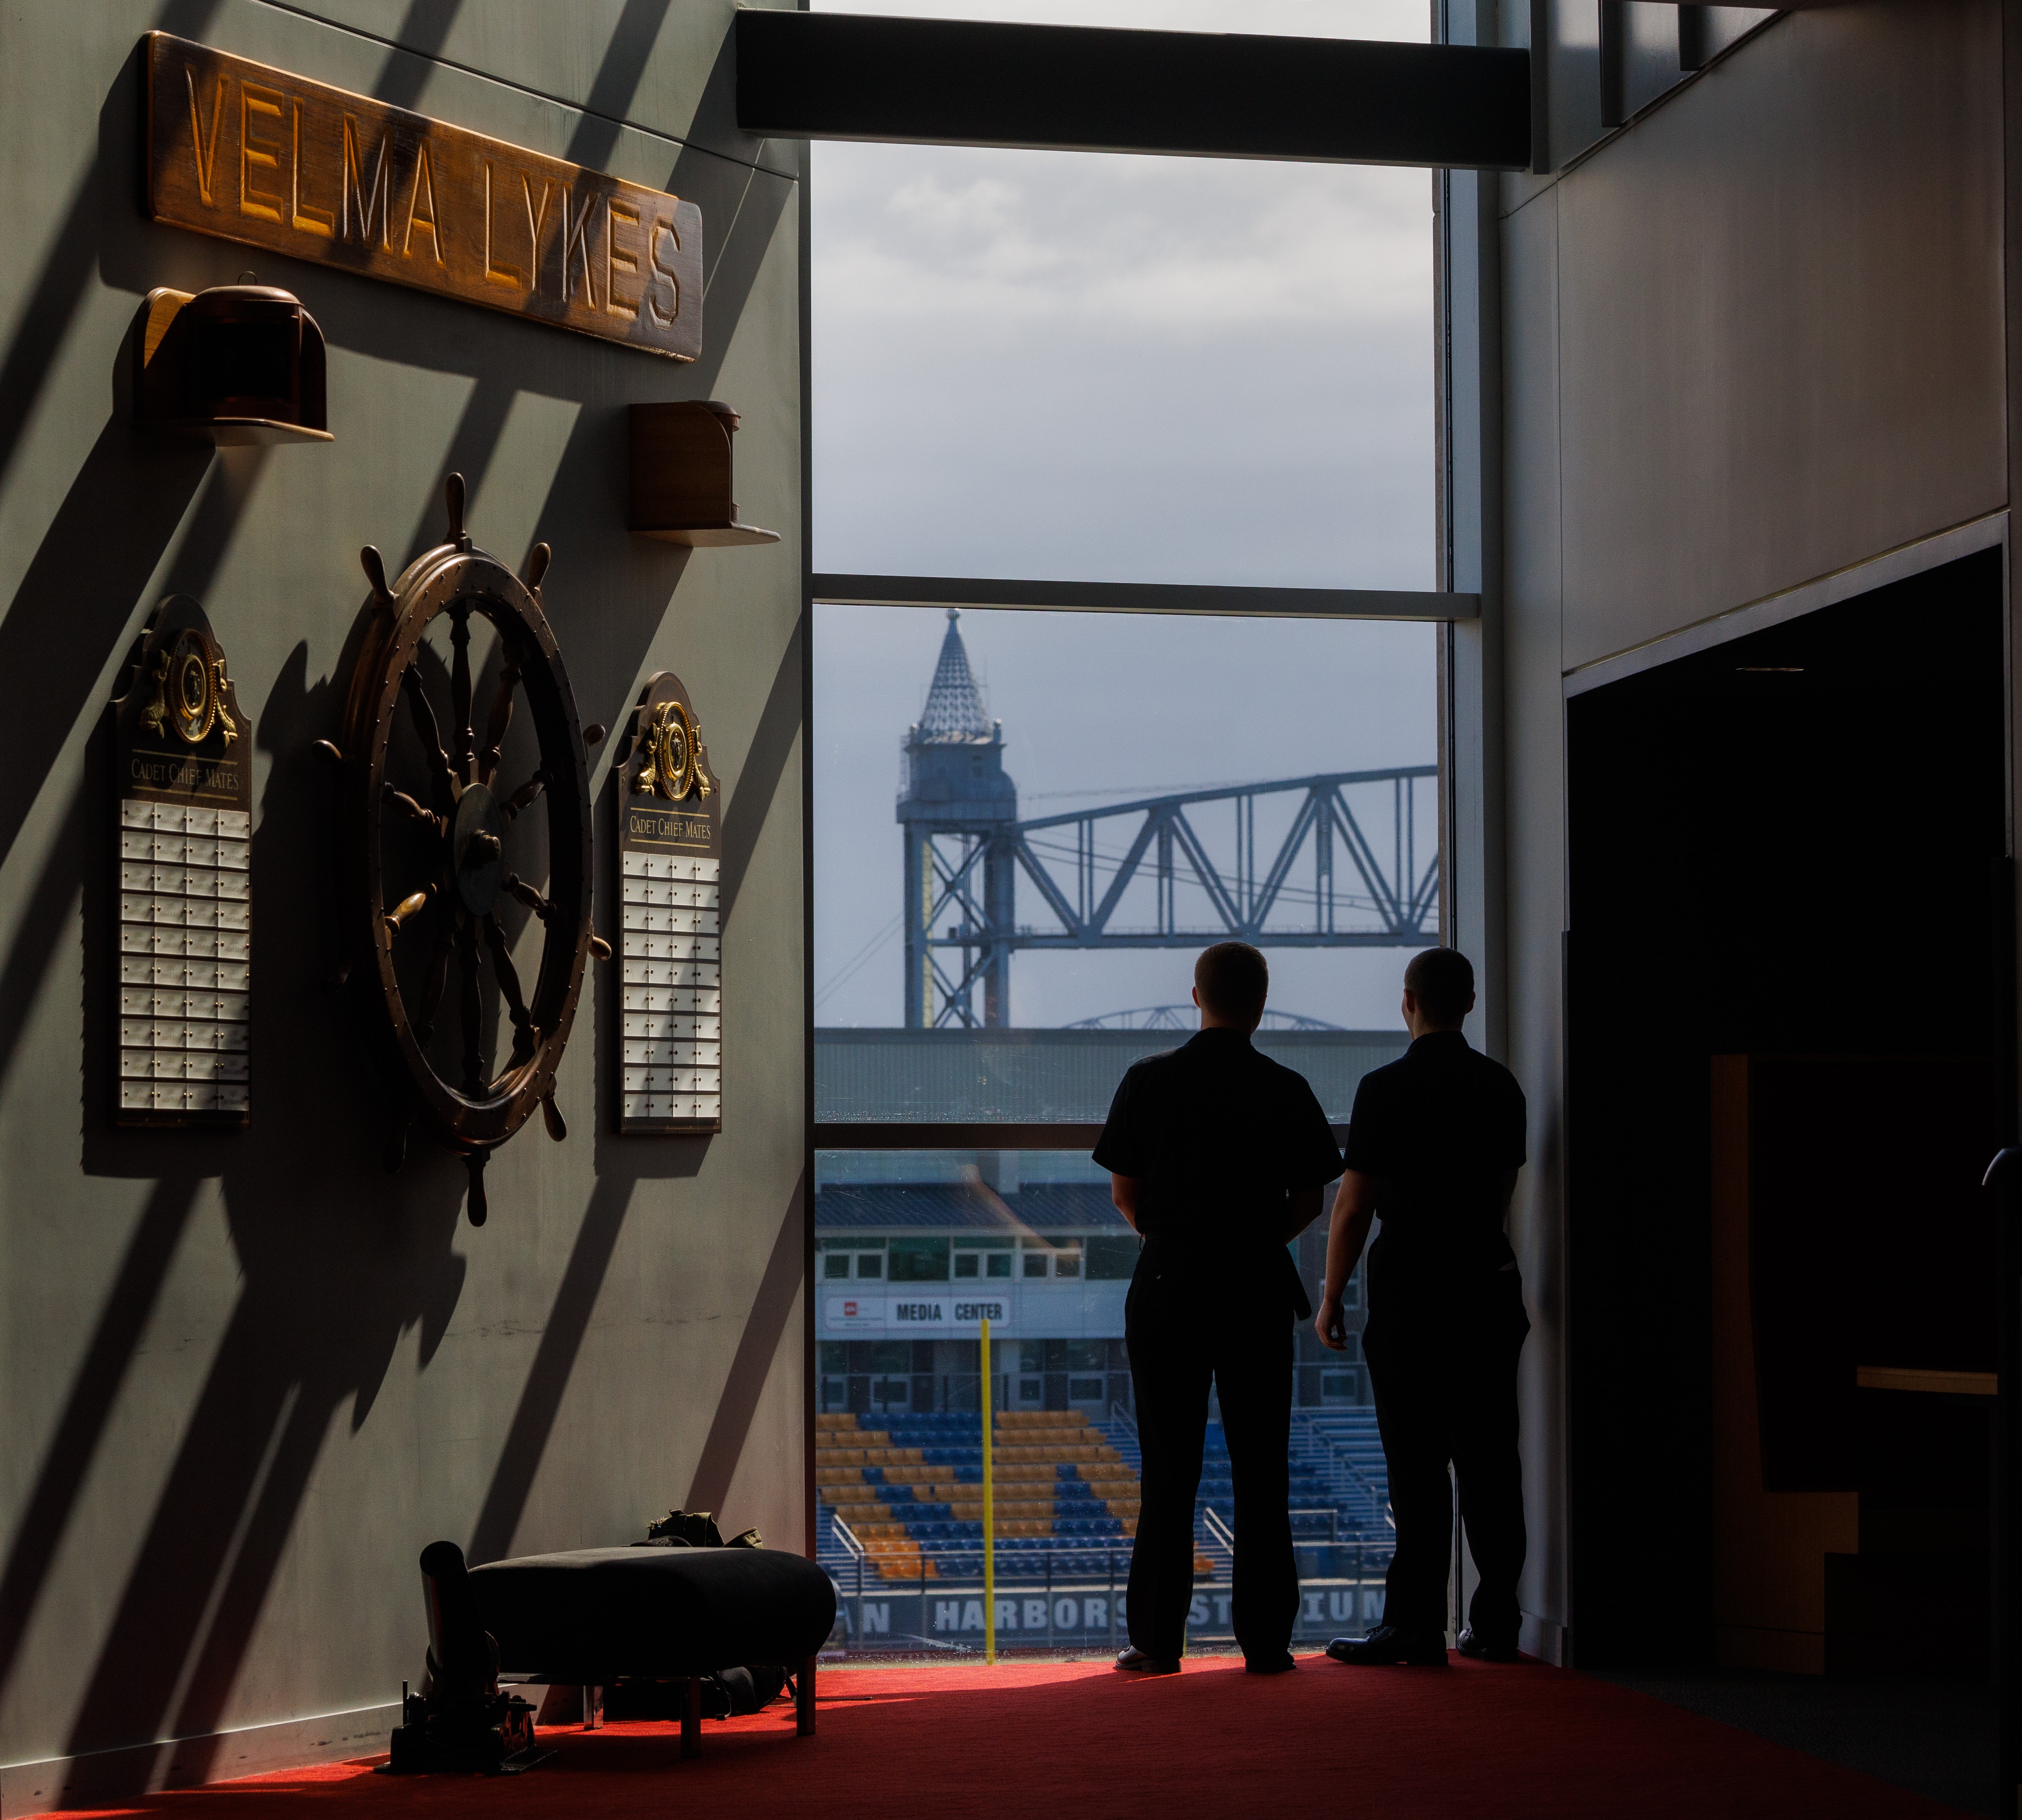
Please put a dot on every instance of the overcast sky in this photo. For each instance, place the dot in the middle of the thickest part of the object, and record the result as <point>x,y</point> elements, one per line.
<point>1091,368</point>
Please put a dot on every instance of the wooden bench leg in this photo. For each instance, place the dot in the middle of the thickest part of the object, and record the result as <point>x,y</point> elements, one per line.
<point>691,1717</point>
<point>804,1700</point>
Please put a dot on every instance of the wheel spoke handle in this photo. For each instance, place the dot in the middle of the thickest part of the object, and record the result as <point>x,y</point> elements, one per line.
<point>459,688</point>
<point>406,908</point>
<point>521,798</point>
<point>529,896</point>
<point>399,799</point>
<point>426,725</point>
<point>472,1008</point>
<point>525,1038</point>
<point>501,718</point>
<point>370,560</point>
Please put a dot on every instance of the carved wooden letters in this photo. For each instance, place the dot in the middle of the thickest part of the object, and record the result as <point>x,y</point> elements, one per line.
<point>249,153</point>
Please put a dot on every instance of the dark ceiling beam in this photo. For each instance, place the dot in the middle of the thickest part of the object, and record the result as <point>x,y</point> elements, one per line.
<point>1075,88</point>
<point>1137,597</point>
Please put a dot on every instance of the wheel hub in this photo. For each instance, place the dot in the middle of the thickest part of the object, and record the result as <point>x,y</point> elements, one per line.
<point>477,849</point>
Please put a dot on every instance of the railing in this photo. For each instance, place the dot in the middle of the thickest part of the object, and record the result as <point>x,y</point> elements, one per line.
<point>1331,1512</point>
<point>841,1533</point>
<point>847,1537</point>
<point>1358,1482</point>
<point>879,1395</point>
<point>1224,1537</point>
<point>1122,1427</point>
<point>1220,1535</point>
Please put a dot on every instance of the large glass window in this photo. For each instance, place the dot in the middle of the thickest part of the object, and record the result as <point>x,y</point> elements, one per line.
<point>1095,369</point>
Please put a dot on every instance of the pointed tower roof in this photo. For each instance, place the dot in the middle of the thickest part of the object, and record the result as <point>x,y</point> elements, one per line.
<point>953,714</point>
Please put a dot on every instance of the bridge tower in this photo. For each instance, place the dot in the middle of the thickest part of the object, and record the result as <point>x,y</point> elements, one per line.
<point>957,808</point>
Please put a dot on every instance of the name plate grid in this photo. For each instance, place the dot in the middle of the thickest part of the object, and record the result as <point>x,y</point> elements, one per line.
<point>671,961</point>
<point>185,958</point>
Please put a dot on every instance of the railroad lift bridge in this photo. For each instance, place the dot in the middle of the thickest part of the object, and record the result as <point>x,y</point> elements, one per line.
<point>1345,872</point>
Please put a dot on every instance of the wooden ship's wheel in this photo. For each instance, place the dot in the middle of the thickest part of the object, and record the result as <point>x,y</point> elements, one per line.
<point>439,847</point>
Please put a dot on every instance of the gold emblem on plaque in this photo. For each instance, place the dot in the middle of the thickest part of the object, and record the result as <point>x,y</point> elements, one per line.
<point>673,755</point>
<point>190,689</point>
<point>155,716</point>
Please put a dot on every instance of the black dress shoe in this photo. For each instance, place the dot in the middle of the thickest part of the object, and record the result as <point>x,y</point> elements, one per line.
<point>1134,1661</point>
<point>1389,1644</point>
<point>1472,1644</point>
<point>1268,1664</point>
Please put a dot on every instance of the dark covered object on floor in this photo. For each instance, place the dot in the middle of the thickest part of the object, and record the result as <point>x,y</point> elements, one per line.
<point>460,1720</point>
<point>594,1615</point>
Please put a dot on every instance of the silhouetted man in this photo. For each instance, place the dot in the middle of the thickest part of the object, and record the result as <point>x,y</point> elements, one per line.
<point>1217,1156</point>
<point>1434,1145</point>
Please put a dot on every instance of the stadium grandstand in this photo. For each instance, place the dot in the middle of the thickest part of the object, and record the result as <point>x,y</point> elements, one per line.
<point>901,1529</point>
<point>915,1247</point>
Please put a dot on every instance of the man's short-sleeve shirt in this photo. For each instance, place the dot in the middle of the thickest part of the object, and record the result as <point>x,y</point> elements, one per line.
<point>1440,1128</point>
<point>1217,1133</point>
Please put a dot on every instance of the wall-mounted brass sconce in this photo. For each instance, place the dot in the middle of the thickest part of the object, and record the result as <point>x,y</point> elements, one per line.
<point>237,363</point>
<point>681,475</point>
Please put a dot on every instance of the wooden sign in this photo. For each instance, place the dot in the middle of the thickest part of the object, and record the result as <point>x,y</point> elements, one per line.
<point>671,951</point>
<point>184,762</point>
<point>249,153</point>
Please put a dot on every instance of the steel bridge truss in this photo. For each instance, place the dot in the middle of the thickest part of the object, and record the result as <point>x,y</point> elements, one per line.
<point>1379,899</point>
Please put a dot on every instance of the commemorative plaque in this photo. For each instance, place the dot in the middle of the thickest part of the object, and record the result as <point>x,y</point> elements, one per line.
<point>184,830</point>
<point>670,952</point>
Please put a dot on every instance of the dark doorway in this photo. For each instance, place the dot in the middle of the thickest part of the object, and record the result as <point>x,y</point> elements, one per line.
<point>1787,851</point>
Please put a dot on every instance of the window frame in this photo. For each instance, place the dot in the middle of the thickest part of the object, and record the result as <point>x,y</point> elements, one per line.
<point>1464,604</point>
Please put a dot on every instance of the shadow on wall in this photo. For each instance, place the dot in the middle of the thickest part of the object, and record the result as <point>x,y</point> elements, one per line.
<point>339,1262</point>
<point>620,1168</point>
<point>104,204</point>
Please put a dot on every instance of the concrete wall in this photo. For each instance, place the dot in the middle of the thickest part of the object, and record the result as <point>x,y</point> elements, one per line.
<point>244,1378</point>
<point>1752,338</point>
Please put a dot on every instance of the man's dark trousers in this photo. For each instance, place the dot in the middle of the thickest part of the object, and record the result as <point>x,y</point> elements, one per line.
<point>1182,1335</point>
<point>1443,1368</point>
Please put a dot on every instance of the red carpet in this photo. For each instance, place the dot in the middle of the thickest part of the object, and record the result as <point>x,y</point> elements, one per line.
<point>1052,1741</point>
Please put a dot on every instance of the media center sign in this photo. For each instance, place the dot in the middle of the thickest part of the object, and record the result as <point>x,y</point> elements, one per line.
<point>921,1314</point>
<point>1048,1310</point>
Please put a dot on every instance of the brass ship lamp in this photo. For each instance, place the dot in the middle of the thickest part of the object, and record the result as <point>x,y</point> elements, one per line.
<point>235,364</point>
<point>681,475</point>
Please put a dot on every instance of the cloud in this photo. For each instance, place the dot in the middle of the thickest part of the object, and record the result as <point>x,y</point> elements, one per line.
<point>1099,368</point>
<point>1189,248</point>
